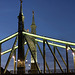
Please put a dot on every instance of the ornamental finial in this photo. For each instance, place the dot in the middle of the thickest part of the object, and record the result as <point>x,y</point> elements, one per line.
<point>21,1</point>
<point>33,12</point>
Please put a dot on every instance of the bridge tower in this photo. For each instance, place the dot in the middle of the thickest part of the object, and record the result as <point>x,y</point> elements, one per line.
<point>33,31</point>
<point>21,62</point>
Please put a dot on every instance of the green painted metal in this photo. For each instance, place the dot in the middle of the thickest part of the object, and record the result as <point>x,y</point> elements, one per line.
<point>14,61</point>
<point>26,54</point>
<point>56,45</point>
<point>61,57</point>
<point>55,57</point>
<point>54,60</point>
<point>43,57</point>
<point>10,56</point>
<point>9,37</point>
<point>50,39</point>
<point>67,59</point>
<point>0,59</point>
<point>74,61</point>
<point>7,51</point>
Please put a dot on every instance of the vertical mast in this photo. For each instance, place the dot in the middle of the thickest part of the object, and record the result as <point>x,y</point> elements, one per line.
<point>21,62</point>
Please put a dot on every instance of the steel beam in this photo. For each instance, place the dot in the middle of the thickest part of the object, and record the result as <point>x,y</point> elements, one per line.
<point>61,56</point>
<point>2,53</point>
<point>9,37</point>
<point>74,61</point>
<point>26,54</point>
<point>7,51</point>
<point>15,62</point>
<point>71,49</point>
<point>54,57</point>
<point>0,58</point>
<point>50,39</point>
<point>67,59</point>
<point>43,57</point>
<point>10,56</point>
<point>53,44</point>
<point>73,56</point>
<point>54,60</point>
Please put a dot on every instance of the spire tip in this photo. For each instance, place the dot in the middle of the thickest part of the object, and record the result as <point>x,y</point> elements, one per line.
<point>33,12</point>
<point>21,1</point>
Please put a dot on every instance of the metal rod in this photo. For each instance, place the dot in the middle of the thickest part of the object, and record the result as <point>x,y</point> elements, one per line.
<point>2,53</point>
<point>53,44</point>
<point>74,61</point>
<point>8,38</point>
<point>7,51</point>
<point>0,58</point>
<point>67,59</point>
<point>10,56</point>
<point>54,57</point>
<point>26,54</point>
<point>15,62</point>
<point>73,56</point>
<point>71,48</point>
<point>50,39</point>
<point>54,60</point>
<point>61,57</point>
<point>32,55</point>
<point>44,55</point>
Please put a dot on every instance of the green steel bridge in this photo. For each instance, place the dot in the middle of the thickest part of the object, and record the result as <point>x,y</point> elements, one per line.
<point>31,39</point>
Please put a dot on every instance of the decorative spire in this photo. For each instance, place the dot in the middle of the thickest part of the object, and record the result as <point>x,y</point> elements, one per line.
<point>21,1</point>
<point>33,26</point>
<point>21,18</point>
<point>21,11</point>
<point>33,22</point>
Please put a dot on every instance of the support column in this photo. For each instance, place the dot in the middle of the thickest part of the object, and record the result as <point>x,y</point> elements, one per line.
<point>44,55</point>
<point>15,62</point>
<point>67,58</point>
<point>21,62</point>
<point>43,58</point>
<point>54,61</point>
<point>10,56</point>
<point>55,57</point>
<point>0,58</point>
<point>74,60</point>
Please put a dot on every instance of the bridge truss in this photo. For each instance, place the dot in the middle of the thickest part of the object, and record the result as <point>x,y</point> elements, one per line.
<point>31,39</point>
<point>45,41</point>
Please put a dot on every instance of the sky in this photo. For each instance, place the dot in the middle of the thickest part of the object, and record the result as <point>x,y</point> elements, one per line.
<point>53,18</point>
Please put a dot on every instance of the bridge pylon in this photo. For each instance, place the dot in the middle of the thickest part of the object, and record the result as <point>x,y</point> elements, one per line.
<point>33,31</point>
<point>21,62</point>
